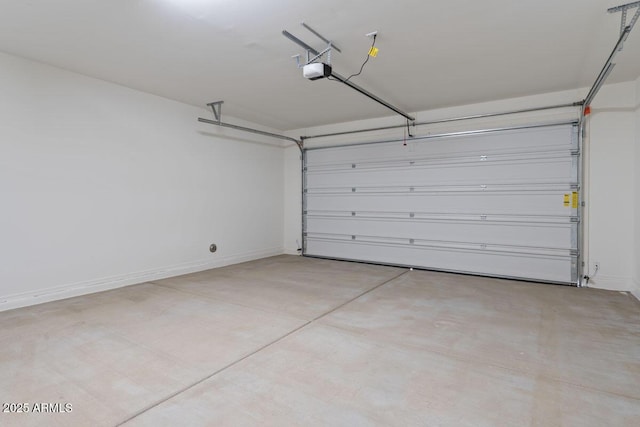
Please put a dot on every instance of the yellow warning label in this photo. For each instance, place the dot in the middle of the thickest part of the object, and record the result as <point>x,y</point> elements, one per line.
<point>567,197</point>
<point>373,51</point>
<point>574,200</point>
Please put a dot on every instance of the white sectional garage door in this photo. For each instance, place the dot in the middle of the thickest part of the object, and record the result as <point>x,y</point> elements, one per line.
<point>499,203</point>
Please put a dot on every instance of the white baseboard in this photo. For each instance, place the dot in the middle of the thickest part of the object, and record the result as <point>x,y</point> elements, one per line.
<point>612,283</point>
<point>98,285</point>
<point>291,251</point>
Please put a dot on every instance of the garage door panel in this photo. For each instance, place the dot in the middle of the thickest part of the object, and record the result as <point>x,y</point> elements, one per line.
<point>557,268</point>
<point>499,203</point>
<point>480,203</point>
<point>530,171</point>
<point>542,235</point>
<point>543,140</point>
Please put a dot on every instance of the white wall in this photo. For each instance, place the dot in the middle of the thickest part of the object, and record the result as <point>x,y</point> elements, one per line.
<point>612,129</point>
<point>102,186</point>
<point>610,150</point>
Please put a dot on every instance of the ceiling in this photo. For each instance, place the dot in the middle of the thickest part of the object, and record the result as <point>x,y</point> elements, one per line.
<point>433,53</point>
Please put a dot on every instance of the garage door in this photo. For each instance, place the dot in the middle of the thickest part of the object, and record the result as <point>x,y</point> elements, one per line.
<point>500,203</point>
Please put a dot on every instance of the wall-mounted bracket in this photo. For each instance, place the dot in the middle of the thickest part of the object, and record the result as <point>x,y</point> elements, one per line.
<point>623,18</point>
<point>625,30</point>
<point>216,107</point>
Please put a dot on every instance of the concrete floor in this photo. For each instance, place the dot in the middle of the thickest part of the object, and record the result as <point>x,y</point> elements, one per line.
<point>299,341</point>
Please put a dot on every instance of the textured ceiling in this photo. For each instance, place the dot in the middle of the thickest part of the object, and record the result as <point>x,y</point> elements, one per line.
<point>433,53</point>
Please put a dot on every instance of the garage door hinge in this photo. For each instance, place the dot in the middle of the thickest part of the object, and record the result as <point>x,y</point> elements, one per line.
<point>574,252</point>
<point>575,219</point>
<point>574,186</point>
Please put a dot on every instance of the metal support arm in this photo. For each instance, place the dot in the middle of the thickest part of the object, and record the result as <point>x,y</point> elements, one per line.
<point>625,30</point>
<point>219,122</point>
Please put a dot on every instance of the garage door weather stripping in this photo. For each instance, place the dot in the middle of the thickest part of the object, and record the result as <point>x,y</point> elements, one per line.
<point>500,203</point>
